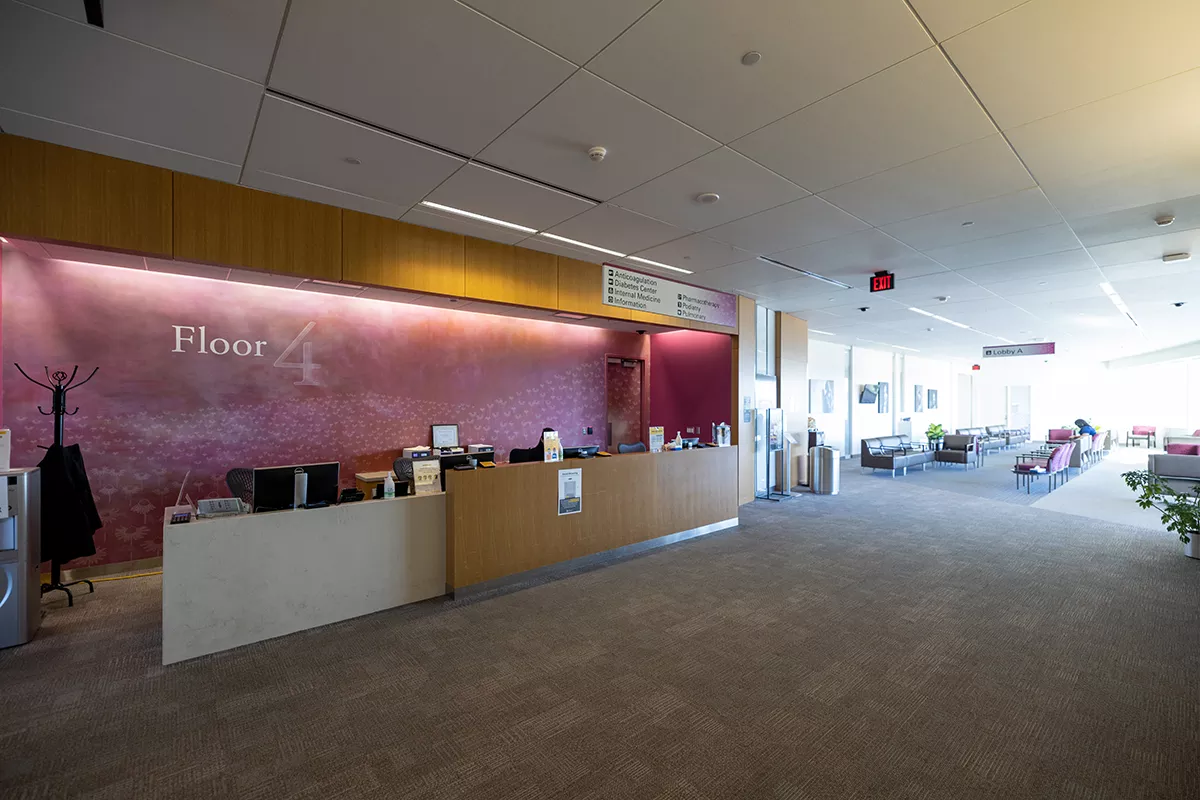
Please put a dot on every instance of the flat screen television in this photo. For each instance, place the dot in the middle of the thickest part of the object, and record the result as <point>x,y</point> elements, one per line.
<point>869,395</point>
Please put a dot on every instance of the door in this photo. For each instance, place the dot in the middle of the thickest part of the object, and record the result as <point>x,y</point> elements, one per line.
<point>623,378</point>
<point>963,402</point>
<point>1019,407</point>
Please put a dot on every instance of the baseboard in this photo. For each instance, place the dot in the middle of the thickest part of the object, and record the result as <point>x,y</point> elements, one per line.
<point>104,570</point>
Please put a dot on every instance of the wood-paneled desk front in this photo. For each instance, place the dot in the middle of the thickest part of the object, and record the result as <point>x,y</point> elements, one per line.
<point>505,521</point>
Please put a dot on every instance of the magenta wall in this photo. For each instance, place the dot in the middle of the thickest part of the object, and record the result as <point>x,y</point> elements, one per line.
<point>691,381</point>
<point>386,372</point>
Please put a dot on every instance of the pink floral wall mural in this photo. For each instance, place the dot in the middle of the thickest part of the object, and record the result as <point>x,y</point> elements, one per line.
<point>209,375</point>
<point>625,402</point>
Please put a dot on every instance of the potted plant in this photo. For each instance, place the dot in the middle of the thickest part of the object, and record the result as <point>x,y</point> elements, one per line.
<point>1180,510</point>
<point>935,433</point>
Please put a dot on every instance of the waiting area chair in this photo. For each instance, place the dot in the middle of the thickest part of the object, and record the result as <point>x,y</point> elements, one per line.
<point>958,449</point>
<point>1056,467</point>
<point>634,447</point>
<point>893,453</point>
<point>1148,433</point>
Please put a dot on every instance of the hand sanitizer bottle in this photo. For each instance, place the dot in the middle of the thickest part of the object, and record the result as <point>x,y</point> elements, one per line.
<point>389,487</point>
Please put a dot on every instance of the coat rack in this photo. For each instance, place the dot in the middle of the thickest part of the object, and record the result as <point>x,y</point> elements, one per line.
<point>59,383</point>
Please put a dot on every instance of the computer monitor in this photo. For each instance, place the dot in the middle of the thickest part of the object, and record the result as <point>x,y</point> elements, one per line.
<point>692,442</point>
<point>275,487</point>
<point>583,451</point>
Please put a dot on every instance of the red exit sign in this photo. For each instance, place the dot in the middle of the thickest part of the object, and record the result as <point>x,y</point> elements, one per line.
<point>882,281</point>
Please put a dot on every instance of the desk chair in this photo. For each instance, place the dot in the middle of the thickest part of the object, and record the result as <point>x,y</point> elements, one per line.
<point>635,447</point>
<point>525,455</point>
<point>240,481</point>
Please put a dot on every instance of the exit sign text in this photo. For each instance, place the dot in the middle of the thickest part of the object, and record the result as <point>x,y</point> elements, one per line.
<point>882,281</point>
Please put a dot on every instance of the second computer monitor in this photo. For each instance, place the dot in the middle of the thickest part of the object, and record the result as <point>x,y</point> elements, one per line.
<point>582,451</point>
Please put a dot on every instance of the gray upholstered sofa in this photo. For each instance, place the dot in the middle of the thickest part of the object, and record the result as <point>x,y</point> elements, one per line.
<point>1170,465</point>
<point>893,453</point>
<point>1011,436</point>
<point>959,449</point>
<point>987,441</point>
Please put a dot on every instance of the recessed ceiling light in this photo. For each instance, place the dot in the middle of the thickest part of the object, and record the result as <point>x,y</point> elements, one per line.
<point>577,243</point>
<point>1164,219</point>
<point>480,217</point>
<point>1177,257</point>
<point>707,198</point>
<point>1041,283</point>
<point>351,160</point>
<point>660,264</point>
<point>752,58</point>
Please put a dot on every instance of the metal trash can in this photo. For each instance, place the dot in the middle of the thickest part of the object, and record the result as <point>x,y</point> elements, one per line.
<point>823,472</point>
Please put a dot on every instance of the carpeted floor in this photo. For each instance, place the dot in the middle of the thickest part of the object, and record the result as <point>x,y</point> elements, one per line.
<point>889,642</point>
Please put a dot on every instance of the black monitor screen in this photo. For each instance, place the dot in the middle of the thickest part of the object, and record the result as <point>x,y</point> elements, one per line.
<point>275,487</point>
<point>582,451</point>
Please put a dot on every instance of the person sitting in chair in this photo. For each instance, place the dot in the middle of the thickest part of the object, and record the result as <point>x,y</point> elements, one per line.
<point>1085,427</point>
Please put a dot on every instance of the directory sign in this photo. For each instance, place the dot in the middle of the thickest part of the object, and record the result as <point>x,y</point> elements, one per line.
<point>642,292</point>
<point>1010,350</point>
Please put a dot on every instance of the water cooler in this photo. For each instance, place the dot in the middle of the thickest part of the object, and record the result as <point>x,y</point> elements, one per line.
<point>20,556</point>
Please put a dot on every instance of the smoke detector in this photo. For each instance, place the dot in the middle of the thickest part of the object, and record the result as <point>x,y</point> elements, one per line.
<point>942,299</point>
<point>1164,220</point>
<point>597,153</point>
<point>707,198</point>
<point>752,58</point>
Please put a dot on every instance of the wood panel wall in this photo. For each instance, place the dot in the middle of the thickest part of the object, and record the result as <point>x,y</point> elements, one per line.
<point>60,194</point>
<point>743,387</point>
<point>791,368</point>
<point>503,521</point>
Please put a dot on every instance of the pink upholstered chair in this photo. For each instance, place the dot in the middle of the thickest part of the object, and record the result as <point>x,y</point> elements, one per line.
<point>1056,466</point>
<point>1147,432</point>
<point>1095,454</point>
<point>1060,435</point>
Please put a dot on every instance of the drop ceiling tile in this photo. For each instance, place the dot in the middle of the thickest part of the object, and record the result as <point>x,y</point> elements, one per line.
<point>998,215</point>
<point>1158,292</point>
<point>389,64</point>
<point>1047,56</point>
<point>1150,269</point>
<point>575,29</point>
<point>1034,269</point>
<point>1033,242</point>
<point>264,278</point>
<point>859,254</point>
<point>300,143</point>
<point>563,249</point>
<point>804,221</point>
<point>87,256</point>
<point>947,18</point>
<point>697,253</point>
<point>496,194</point>
<point>618,229</point>
<point>911,110</point>
<point>684,56</point>
<point>551,142</point>
<point>1134,125</point>
<point>431,218</point>
<point>1148,249</point>
<point>231,35</point>
<point>48,130</point>
<point>743,276</point>
<point>1138,223</point>
<point>924,291</point>
<point>1125,186</point>
<point>977,171</point>
<point>91,79</point>
<point>290,187</point>
<point>744,187</point>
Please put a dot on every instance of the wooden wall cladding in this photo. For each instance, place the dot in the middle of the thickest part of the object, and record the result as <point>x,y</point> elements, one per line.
<point>507,274</point>
<point>385,252</point>
<point>743,387</point>
<point>579,289</point>
<point>67,195</point>
<point>219,223</point>
<point>503,521</point>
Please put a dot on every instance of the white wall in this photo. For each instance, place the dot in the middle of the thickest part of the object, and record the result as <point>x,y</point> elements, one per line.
<point>928,374</point>
<point>828,361</point>
<point>870,366</point>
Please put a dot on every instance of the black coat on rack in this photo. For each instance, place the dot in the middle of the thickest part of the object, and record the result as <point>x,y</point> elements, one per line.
<point>69,515</point>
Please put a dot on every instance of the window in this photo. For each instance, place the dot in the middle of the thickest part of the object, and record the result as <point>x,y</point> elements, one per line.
<point>764,334</point>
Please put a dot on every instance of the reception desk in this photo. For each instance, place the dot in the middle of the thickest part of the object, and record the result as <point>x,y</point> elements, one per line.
<point>502,522</point>
<point>231,581</point>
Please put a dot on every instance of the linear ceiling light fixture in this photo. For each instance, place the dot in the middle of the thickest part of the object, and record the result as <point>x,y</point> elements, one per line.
<point>659,264</point>
<point>479,217</point>
<point>805,273</point>
<point>558,238</point>
<point>823,333</point>
<point>1118,302</point>
<point>949,321</point>
<point>885,344</point>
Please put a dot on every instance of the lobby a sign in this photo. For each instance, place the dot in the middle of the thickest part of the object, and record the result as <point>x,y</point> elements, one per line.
<point>641,292</point>
<point>1010,350</point>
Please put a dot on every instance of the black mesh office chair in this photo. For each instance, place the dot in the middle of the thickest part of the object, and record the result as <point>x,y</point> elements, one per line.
<point>636,447</point>
<point>524,455</point>
<point>240,481</point>
<point>403,469</point>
